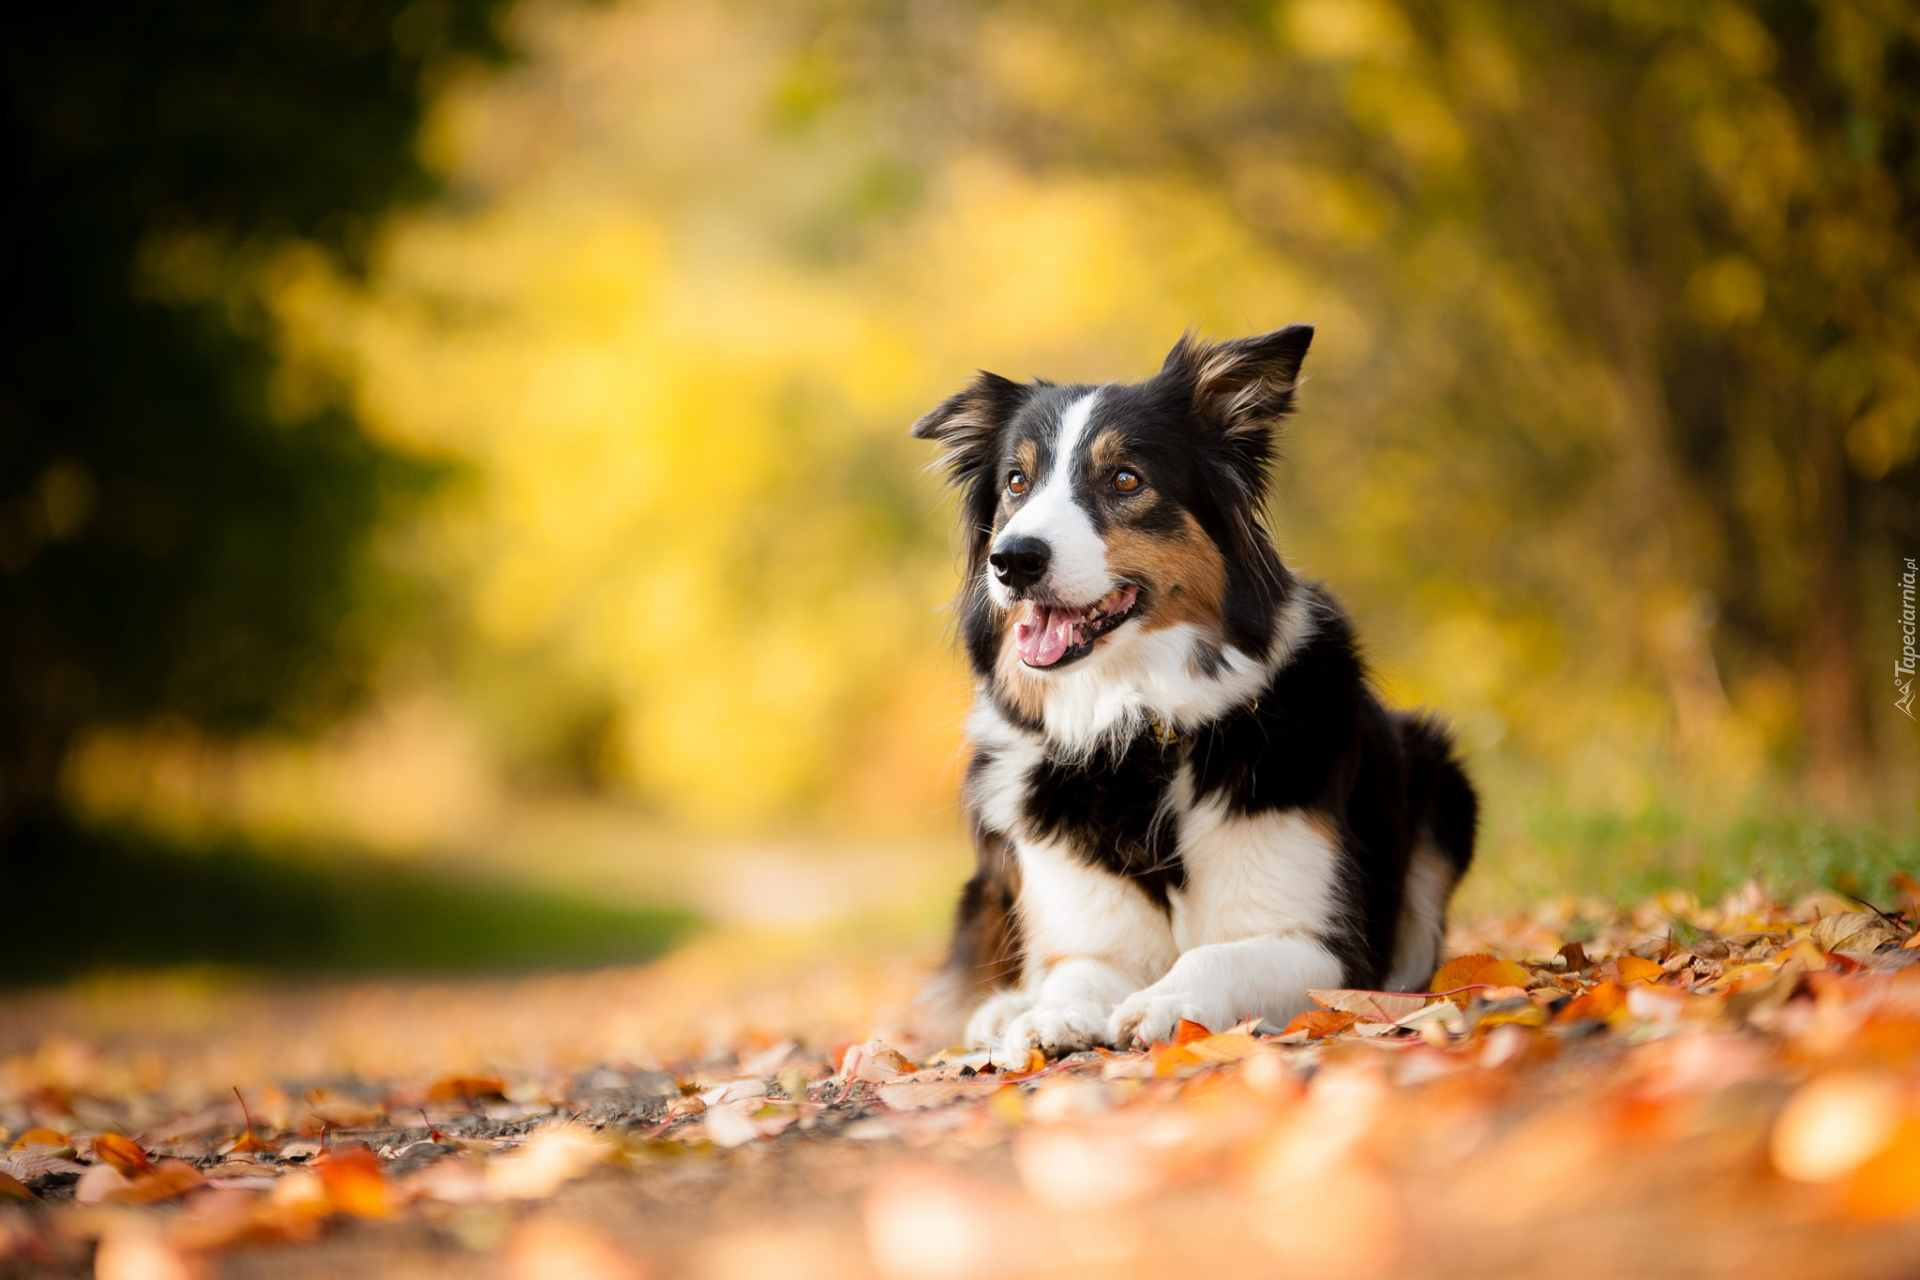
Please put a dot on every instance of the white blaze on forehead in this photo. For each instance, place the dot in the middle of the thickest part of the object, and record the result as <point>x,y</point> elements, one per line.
<point>1078,571</point>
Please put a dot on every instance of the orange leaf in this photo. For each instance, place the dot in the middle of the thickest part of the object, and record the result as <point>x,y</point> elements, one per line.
<point>466,1088</point>
<point>1602,1002</point>
<point>121,1153</point>
<point>351,1174</point>
<point>169,1180</point>
<point>42,1138</point>
<point>11,1188</point>
<point>1634,969</point>
<point>1458,972</point>
<point>248,1143</point>
<point>1228,1046</point>
<point>1187,1032</point>
<point>1501,973</point>
<point>1320,1023</point>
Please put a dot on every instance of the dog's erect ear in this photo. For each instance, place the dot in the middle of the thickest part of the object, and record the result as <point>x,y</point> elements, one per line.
<point>1244,384</point>
<point>968,423</point>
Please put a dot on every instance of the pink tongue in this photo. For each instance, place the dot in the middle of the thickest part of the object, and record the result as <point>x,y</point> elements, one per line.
<point>1043,635</point>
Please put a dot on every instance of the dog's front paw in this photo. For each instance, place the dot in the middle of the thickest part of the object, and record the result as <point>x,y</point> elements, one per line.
<point>990,1020</point>
<point>1056,1029</point>
<point>1151,1016</point>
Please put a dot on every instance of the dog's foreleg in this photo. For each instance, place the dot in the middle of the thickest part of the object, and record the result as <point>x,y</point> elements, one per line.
<point>1092,937</point>
<point>1219,984</point>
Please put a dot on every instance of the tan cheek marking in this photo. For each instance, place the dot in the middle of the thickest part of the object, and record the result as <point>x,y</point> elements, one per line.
<point>1023,692</point>
<point>1183,571</point>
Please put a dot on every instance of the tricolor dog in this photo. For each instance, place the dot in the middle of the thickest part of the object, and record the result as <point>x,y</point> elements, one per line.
<point>1187,800</point>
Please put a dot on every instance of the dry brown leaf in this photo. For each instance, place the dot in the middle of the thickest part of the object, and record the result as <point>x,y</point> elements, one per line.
<point>875,1062</point>
<point>1372,1006</point>
<point>1853,931</point>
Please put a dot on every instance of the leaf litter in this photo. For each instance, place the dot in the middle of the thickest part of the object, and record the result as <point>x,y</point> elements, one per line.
<point>1673,1089</point>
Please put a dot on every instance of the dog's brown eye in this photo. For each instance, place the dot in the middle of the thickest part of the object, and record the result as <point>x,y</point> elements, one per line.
<point>1017,483</point>
<point>1126,481</point>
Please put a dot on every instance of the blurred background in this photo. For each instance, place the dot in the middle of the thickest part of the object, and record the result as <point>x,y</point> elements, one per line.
<point>455,501</point>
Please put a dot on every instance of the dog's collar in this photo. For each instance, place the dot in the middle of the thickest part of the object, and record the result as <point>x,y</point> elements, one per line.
<point>1160,733</point>
<point>1166,735</point>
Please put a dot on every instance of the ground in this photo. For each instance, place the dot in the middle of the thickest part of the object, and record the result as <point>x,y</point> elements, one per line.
<point>1678,1089</point>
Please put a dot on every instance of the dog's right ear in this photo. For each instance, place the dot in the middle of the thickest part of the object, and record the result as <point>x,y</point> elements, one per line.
<point>967,424</point>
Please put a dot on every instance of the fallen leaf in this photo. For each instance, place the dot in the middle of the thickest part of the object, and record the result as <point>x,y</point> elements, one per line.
<point>466,1088</point>
<point>875,1062</point>
<point>552,1157</point>
<point>121,1153</point>
<point>11,1188</point>
<point>1319,1023</point>
<point>1374,1006</point>
<point>1458,972</point>
<point>337,1111</point>
<point>1635,969</point>
<point>354,1183</point>
<point>1603,1001</point>
<point>1187,1031</point>
<point>169,1180</point>
<point>1853,931</point>
<point>1228,1046</point>
<point>42,1137</point>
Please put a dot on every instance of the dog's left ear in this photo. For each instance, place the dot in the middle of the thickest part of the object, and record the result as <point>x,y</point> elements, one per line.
<point>1244,385</point>
<point>967,424</point>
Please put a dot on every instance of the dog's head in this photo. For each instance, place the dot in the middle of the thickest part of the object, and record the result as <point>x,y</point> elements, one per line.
<point>1099,518</point>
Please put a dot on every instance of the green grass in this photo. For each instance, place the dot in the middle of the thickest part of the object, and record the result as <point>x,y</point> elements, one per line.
<point>1627,857</point>
<point>87,900</point>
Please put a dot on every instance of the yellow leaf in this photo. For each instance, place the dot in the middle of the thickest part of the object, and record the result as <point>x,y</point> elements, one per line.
<point>11,1188</point>
<point>42,1138</point>
<point>1634,969</point>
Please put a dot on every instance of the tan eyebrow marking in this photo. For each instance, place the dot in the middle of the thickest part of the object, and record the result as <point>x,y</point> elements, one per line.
<point>1107,453</point>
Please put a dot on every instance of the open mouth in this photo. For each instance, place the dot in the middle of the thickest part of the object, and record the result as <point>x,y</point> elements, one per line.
<point>1052,636</point>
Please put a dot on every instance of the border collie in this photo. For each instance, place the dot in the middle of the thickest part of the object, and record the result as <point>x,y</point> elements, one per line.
<point>1187,800</point>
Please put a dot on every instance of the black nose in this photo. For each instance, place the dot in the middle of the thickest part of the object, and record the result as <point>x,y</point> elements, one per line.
<point>1020,562</point>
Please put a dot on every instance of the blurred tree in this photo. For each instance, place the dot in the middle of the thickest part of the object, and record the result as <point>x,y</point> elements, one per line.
<point>179,534</point>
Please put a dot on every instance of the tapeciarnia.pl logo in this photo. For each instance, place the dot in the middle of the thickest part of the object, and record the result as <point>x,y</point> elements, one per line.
<point>1903,666</point>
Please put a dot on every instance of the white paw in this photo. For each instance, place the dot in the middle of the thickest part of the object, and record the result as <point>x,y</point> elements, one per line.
<point>991,1018</point>
<point>1151,1016</point>
<point>1056,1029</point>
